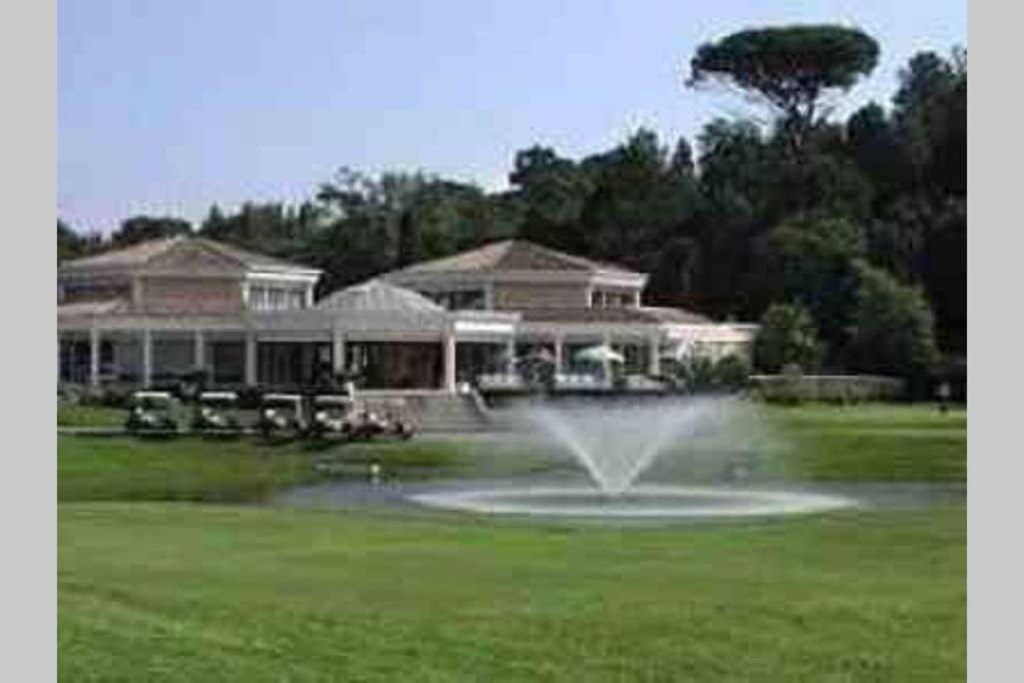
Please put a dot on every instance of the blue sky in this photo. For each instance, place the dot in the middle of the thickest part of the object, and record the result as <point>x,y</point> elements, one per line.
<point>167,107</point>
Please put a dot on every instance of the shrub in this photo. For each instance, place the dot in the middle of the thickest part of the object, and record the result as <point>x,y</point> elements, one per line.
<point>732,372</point>
<point>894,330</point>
<point>109,396</point>
<point>787,336</point>
<point>817,257</point>
<point>71,394</point>
<point>698,373</point>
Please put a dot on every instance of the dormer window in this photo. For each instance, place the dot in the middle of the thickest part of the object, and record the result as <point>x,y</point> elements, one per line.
<point>270,298</point>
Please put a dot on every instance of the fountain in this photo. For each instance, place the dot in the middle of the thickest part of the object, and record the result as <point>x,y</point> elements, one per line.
<point>615,443</point>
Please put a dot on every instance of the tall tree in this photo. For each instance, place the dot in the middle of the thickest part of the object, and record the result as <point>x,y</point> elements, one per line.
<point>553,191</point>
<point>816,263</point>
<point>141,228</point>
<point>408,240</point>
<point>72,245</point>
<point>790,68</point>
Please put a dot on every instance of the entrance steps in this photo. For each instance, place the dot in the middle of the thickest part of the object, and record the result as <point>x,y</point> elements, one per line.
<point>437,411</point>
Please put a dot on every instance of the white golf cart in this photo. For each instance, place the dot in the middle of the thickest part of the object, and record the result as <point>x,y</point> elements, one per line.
<point>332,415</point>
<point>150,411</point>
<point>216,412</point>
<point>388,419</point>
<point>281,414</point>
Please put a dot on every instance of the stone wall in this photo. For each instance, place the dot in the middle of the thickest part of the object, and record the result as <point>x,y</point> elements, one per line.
<point>831,388</point>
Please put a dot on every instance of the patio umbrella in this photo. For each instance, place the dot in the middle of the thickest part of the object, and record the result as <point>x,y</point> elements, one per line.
<point>600,354</point>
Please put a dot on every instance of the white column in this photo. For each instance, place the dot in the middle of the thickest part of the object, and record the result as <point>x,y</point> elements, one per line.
<point>250,358</point>
<point>636,299</point>
<point>147,358</point>
<point>338,364</point>
<point>199,349</point>
<point>489,296</point>
<point>559,343</point>
<point>510,355</point>
<point>606,363</point>
<point>654,361</point>
<point>449,360</point>
<point>94,357</point>
<point>309,296</point>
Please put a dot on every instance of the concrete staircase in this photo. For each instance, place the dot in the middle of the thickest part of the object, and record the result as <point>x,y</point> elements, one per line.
<point>439,412</point>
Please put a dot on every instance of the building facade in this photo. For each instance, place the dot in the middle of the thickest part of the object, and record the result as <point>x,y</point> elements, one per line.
<point>151,312</point>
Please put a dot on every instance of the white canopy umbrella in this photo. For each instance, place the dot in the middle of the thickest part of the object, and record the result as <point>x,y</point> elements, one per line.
<point>600,354</point>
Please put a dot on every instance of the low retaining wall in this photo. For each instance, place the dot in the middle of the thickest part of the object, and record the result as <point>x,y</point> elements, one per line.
<point>837,388</point>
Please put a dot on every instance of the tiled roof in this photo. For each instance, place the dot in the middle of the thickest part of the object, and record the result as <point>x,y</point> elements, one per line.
<point>135,255</point>
<point>87,308</point>
<point>250,259</point>
<point>509,255</point>
<point>643,314</point>
<point>165,307</point>
<point>377,295</point>
<point>186,250</point>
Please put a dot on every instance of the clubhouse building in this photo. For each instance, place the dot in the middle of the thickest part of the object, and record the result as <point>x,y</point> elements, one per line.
<point>151,312</point>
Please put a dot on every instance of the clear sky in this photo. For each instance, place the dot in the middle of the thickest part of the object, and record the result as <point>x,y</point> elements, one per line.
<point>165,107</point>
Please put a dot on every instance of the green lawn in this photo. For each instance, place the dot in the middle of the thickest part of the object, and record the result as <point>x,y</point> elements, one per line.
<point>89,416</point>
<point>873,442</point>
<point>187,591</point>
<point>186,469</point>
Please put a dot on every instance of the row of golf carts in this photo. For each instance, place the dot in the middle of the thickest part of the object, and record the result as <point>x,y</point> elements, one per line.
<point>288,415</point>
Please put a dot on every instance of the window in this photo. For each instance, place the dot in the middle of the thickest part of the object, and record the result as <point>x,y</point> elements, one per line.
<point>257,298</point>
<point>467,300</point>
<point>263,298</point>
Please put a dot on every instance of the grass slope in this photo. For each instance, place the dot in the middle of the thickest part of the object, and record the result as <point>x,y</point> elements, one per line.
<point>69,415</point>
<point>183,591</point>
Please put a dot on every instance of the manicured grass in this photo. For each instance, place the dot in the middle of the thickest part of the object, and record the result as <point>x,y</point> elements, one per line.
<point>807,443</point>
<point>185,591</point>
<point>868,443</point>
<point>873,443</point>
<point>129,468</point>
<point>247,469</point>
<point>89,416</point>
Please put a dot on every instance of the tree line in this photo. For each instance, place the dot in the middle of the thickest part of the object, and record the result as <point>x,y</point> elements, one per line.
<point>847,238</point>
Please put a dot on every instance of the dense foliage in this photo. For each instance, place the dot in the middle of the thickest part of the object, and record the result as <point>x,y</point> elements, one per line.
<point>789,67</point>
<point>787,337</point>
<point>892,327</point>
<point>725,227</point>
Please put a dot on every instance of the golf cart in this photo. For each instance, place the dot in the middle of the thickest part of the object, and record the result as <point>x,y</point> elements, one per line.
<point>367,423</point>
<point>281,413</point>
<point>151,412</point>
<point>332,415</point>
<point>215,412</point>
